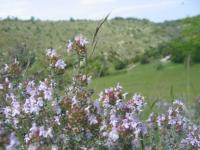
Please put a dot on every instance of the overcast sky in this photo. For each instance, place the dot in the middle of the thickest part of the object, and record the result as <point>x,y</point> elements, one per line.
<point>154,10</point>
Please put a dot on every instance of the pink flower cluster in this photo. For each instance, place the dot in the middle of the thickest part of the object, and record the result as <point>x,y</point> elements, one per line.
<point>175,119</point>
<point>192,139</point>
<point>36,95</point>
<point>55,61</point>
<point>35,133</point>
<point>78,43</point>
<point>119,116</point>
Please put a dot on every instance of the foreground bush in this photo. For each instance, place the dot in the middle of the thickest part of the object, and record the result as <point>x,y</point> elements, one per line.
<point>35,114</point>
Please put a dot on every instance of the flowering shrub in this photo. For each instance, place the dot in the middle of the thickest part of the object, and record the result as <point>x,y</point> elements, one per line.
<point>176,131</point>
<point>35,114</point>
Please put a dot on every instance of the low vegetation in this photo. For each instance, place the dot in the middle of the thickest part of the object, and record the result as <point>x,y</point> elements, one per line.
<point>35,114</point>
<point>47,100</point>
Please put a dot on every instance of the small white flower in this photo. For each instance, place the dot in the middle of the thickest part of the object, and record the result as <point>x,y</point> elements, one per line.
<point>42,131</point>
<point>45,133</point>
<point>125,123</point>
<point>137,132</point>
<point>92,119</point>
<point>97,106</point>
<point>51,53</point>
<point>56,107</point>
<point>160,119</point>
<point>81,40</point>
<point>49,132</point>
<point>40,102</point>
<point>10,86</point>
<point>6,67</point>
<point>48,94</point>
<point>32,147</point>
<point>113,118</point>
<point>57,119</point>
<point>119,104</point>
<point>33,128</point>
<point>69,46</point>
<point>172,121</point>
<point>60,64</point>
<point>1,86</point>
<point>13,142</point>
<point>16,62</point>
<point>7,80</point>
<point>31,105</point>
<point>42,86</point>
<point>27,138</point>
<point>113,135</point>
<point>74,101</point>
<point>54,147</point>
<point>104,134</point>
<point>30,88</point>
<point>7,111</point>
<point>20,86</point>
<point>178,102</point>
<point>15,108</point>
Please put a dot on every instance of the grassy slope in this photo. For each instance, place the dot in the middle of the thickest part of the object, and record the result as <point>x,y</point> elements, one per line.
<point>168,83</point>
<point>127,37</point>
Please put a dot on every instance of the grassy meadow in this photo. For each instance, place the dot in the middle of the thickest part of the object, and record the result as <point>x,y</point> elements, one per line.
<point>172,81</point>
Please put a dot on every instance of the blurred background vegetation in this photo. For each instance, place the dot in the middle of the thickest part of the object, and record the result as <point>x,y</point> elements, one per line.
<point>128,51</point>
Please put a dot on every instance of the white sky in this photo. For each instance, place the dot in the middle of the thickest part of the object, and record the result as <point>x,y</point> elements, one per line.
<point>154,10</point>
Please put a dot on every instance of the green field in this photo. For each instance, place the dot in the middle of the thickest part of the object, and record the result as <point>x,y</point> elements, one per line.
<point>173,81</point>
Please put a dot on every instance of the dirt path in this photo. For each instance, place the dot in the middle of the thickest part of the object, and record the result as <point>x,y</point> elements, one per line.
<point>132,66</point>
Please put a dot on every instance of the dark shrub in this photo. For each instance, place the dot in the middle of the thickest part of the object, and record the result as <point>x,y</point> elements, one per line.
<point>144,59</point>
<point>119,65</point>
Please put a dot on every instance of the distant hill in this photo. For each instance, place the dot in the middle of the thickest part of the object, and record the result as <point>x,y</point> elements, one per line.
<point>124,38</point>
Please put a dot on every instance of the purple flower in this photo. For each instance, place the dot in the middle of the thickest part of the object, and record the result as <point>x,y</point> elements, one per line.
<point>81,40</point>
<point>60,64</point>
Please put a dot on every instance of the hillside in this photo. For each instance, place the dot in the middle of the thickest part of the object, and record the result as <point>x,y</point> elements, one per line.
<point>124,36</point>
<point>187,44</point>
<point>121,42</point>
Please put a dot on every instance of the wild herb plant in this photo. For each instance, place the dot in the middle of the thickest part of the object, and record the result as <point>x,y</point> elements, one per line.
<point>35,114</point>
